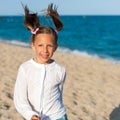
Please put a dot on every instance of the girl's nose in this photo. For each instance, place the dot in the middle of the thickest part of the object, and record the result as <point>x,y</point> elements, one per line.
<point>45,49</point>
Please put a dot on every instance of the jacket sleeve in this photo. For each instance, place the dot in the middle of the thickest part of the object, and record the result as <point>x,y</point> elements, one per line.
<point>20,96</point>
<point>63,77</point>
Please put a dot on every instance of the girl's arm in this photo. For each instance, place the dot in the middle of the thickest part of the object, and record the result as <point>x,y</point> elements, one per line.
<point>63,77</point>
<point>20,96</point>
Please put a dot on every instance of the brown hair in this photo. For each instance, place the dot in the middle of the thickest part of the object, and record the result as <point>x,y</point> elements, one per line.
<point>31,21</point>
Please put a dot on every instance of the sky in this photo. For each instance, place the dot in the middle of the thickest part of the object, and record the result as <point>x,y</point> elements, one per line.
<point>65,7</point>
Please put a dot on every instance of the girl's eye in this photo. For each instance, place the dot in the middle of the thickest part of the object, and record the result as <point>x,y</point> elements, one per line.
<point>50,46</point>
<point>40,45</point>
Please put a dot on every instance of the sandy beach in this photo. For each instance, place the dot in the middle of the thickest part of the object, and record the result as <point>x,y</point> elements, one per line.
<point>91,90</point>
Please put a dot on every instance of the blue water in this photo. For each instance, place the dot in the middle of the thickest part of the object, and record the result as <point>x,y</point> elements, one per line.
<point>82,35</point>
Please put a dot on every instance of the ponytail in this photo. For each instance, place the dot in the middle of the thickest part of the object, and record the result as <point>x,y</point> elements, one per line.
<point>31,21</point>
<point>52,12</point>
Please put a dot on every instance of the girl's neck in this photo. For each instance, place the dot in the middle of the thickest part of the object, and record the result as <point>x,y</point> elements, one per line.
<point>37,61</point>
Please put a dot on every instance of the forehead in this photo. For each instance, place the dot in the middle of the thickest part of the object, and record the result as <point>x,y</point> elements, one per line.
<point>44,38</point>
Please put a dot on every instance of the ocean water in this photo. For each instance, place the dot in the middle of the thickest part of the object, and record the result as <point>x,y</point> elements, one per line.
<point>94,36</point>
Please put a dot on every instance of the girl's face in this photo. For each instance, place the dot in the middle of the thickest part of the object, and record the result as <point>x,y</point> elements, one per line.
<point>44,47</point>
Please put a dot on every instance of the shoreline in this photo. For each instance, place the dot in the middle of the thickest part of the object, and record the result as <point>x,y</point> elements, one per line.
<point>91,89</point>
<point>66,50</point>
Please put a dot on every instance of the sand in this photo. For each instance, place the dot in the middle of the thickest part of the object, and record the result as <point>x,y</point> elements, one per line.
<point>91,90</point>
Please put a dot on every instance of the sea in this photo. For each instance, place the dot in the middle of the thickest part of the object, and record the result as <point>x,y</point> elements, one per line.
<point>92,36</point>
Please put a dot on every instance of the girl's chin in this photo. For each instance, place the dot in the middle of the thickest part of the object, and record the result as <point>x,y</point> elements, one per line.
<point>45,60</point>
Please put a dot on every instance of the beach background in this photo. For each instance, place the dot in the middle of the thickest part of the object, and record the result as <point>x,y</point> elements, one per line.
<point>89,49</point>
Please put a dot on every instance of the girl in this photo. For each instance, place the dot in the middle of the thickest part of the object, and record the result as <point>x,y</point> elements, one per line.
<point>39,84</point>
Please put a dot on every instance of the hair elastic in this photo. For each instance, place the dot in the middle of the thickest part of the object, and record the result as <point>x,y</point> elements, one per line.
<point>34,31</point>
<point>56,31</point>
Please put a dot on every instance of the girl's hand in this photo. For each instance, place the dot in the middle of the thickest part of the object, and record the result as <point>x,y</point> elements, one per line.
<point>35,117</point>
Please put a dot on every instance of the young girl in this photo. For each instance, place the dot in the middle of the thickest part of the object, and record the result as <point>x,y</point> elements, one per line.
<point>39,84</point>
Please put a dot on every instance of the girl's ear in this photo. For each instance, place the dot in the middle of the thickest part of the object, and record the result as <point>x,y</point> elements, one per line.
<point>33,46</point>
<point>55,48</point>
